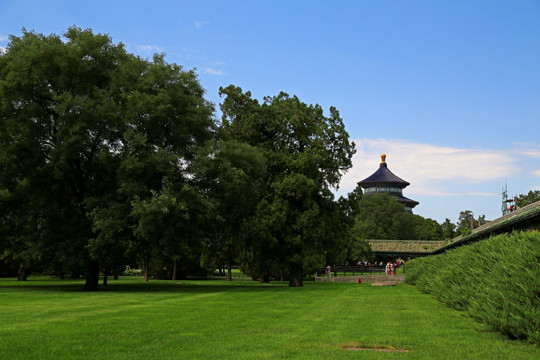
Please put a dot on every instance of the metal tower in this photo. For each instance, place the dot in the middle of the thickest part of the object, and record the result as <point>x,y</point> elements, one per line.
<point>505,201</point>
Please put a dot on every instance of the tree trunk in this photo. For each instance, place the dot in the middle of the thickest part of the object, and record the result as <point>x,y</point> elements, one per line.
<point>145,268</point>
<point>105,276</point>
<point>296,276</point>
<point>174,270</point>
<point>75,273</point>
<point>229,265</point>
<point>22,272</point>
<point>92,277</point>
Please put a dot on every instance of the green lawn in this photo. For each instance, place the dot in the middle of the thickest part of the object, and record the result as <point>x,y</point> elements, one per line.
<point>51,319</point>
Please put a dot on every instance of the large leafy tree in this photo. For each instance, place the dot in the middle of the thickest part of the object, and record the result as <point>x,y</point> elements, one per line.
<point>58,117</point>
<point>466,222</point>
<point>86,128</point>
<point>355,246</point>
<point>448,229</point>
<point>306,153</point>
<point>526,199</point>
<point>166,121</point>
<point>230,174</point>
<point>426,228</point>
<point>380,216</point>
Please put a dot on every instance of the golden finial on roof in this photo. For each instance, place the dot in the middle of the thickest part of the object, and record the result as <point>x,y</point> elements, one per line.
<point>383,158</point>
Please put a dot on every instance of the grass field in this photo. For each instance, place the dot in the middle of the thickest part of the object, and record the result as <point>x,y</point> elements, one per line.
<point>52,319</point>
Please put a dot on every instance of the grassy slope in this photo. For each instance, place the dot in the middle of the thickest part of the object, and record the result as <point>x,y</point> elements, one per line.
<point>45,319</point>
<point>497,281</point>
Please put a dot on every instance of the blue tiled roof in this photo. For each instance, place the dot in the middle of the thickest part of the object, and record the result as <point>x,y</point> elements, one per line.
<point>383,175</point>
<point>404,200</point>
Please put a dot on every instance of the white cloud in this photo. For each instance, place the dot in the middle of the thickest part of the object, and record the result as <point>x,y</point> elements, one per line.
<point>149,48</point>
<point>200,24</point>
<point>3,50</point>
<point>432,170</point>
<point>534,153</point>
<point>536,173</point>
<point>3,37</point>
<point>209,70</point>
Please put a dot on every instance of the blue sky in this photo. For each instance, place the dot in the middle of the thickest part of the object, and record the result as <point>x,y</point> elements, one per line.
<point>449,90</point>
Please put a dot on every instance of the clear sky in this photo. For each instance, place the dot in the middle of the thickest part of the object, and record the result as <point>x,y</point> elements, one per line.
<point>449,90</point>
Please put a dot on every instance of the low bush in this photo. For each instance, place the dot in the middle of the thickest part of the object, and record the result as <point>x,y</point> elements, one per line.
<point>497,281</point>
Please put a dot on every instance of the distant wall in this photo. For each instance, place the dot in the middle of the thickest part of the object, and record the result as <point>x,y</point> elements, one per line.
<point>405,246</point>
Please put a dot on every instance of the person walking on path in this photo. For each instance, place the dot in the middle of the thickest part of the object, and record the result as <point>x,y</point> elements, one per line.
<point>328,271</point>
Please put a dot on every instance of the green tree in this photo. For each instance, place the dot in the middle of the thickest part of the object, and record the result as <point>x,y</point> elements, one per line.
<point>231,174</point>
<point>351,204</point>
<point>355,246</point>
<point>360,249</point>
<point>159,226</point>
<point>465,222</point>
<point>481,220</point>
<point>86,127</point>
<point>57,117</point>
<point>426,228</point>
<point>382,217</point>
<point>112,236</point>
<point>448,229</point>
<point>306,153</point>
<point>525,199</point>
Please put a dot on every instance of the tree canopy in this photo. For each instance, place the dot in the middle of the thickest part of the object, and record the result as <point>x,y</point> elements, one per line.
<point>525,199</point>
<point>108,160</point>
<point>88,130</point>
<point>306,152</point>
<point>380,216</point>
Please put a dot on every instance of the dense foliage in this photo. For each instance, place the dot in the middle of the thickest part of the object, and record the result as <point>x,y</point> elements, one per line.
<point>526,199</point>
<point>467,222</point>
<point>108,160</point>
<point>380,216</point>
<point>496,281</point>
<point>306,153</point>
<point>95,146</point>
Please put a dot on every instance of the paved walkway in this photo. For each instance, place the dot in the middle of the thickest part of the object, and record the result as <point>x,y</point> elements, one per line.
<point>379,280</point>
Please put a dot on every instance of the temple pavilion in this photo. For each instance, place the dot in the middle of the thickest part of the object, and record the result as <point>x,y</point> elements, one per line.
<point>384,181</point>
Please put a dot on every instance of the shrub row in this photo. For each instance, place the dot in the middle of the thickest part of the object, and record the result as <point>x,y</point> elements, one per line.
<point>497,281</point>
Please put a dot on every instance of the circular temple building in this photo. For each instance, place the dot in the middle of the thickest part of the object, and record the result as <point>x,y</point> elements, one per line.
<point>384,181</point>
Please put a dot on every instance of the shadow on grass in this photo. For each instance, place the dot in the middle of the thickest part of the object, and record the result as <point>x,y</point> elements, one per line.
<point>138,286</point>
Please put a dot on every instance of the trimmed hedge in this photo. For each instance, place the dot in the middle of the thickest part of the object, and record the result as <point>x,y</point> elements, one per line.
<point>497,281</point>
